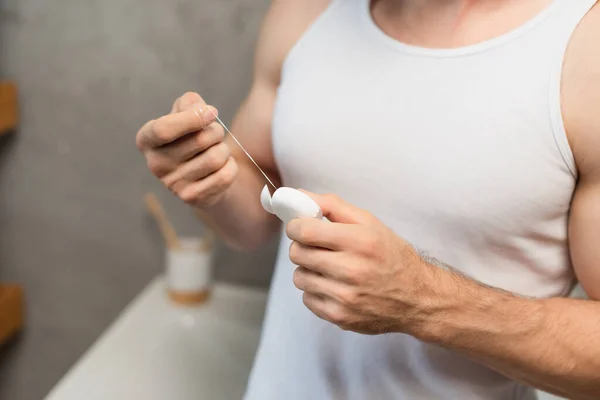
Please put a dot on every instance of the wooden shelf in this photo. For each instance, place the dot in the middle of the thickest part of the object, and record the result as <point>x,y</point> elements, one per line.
<point>11,311</point>
<point>9,109</point>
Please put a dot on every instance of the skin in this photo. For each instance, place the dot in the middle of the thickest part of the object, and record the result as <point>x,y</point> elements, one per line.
<point>355,272</point>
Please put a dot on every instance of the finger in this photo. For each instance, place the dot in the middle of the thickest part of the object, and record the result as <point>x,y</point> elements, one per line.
<point>186,101</point>
<point>171,127</point>
<point>316,304</point>
<point>338,266</point>
<point>337,210</point>
<point>212,185</point>
<point>175,106</point>
<point>192,144</point>
<point>314,283</point>
<point>199,167</point>
<point>158,164</point>
<point>325,308</point>
<point>191,99</point>
<point>319,233</point>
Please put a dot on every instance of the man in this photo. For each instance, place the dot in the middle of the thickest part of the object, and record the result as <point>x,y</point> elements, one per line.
<point>463,140</point>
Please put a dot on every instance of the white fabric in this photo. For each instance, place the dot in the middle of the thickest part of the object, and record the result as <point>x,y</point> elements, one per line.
<point>462,152</point>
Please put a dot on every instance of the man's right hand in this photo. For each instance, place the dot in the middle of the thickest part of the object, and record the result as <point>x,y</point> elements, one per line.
<point>186,151</point>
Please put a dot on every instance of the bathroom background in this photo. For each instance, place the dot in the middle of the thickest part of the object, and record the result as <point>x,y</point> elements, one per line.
<point>74,230</point>
<point>73,227</point>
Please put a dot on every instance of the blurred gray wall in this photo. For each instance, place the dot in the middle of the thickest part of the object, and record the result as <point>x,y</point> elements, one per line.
<point>73,229</point>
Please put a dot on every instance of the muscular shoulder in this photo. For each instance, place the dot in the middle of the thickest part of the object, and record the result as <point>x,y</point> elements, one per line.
<point>581,96</point>
<point>285,22</point>
<point>283,25</point>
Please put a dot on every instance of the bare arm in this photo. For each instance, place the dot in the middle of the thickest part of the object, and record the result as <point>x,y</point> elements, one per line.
<point>239,218</point>
<point>552,344</point>
<point>188,152</point>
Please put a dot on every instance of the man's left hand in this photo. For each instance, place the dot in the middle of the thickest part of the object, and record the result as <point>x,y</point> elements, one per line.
<point>356,273</point>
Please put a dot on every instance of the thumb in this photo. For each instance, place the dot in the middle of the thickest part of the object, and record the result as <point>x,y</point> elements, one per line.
<point>337,210</point>
<point>187,101</point>
<point>193,101</point>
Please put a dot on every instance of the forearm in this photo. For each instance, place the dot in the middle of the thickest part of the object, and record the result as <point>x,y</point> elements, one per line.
<point>551,344</point>
<point>238,217</point>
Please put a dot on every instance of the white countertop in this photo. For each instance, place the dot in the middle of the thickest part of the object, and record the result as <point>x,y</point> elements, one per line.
<point>157,350</point>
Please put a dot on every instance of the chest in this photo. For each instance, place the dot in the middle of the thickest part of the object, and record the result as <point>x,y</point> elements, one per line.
<point>427,146</point>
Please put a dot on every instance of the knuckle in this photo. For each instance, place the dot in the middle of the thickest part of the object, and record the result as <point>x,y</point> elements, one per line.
<point>371,245</point>
<point>295,251</point>
<point>156,165</point>
<point>350,298</point>
<point>172,184</point>
<point>208,137</point>
<point>219,131</point>
<point>202,139</point>
<point>331,198</point>
<point>338,317</point>
<point>139,137</point>
<point>212,159</point>
<point>368,216</point>
<point>230,173</point>
<point>226,175</point>
<point>139,142</point>
<point>306,300</point>
<point>216,156</point>
<point>224,151</point>
<point>354,276</point>
<point>188,98</point>
<point>298,278</point>
<point>188,195</point>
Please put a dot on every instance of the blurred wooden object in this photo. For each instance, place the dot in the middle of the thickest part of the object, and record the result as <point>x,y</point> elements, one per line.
<point>164,224</point>
<point>9,110</point>
<point>11,296</point>
<point>11,311</point>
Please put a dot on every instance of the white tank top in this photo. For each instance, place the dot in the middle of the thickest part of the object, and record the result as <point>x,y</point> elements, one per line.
<point>462,152</point>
